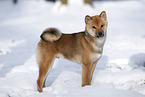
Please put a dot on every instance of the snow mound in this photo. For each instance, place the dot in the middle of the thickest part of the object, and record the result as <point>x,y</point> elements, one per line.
<point>21,79</point>
<point>138,60</point>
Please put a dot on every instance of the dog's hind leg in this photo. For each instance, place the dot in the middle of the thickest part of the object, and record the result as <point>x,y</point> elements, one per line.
<point>44,67</point>
<point>45,80</point>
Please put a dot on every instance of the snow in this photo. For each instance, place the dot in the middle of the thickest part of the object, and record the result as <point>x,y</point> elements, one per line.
<point>4,49</point>
<point>119,73</point>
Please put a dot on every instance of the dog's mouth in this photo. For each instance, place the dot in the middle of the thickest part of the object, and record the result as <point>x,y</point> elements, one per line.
<point>99,34</point>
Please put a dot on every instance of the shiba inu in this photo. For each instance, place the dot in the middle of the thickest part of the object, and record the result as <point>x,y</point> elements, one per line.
<point>84,47</point>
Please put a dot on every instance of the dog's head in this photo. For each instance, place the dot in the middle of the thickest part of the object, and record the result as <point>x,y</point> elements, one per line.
<point>96,25</point>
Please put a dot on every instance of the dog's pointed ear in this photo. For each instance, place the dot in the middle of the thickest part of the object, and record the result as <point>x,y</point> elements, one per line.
<point>103,15</point>
<point>87,19</point>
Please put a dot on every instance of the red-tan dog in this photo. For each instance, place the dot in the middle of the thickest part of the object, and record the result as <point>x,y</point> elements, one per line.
<point>84,48</point>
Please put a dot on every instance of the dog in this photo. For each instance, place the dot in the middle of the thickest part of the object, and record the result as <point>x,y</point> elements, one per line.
<point>84,48</point>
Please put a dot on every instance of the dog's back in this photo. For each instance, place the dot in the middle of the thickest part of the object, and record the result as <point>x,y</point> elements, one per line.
<point>67,46</point>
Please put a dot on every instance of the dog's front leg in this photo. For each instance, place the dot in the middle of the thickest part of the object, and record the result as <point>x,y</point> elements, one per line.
<point>92,71</point>
<point>87,73</point>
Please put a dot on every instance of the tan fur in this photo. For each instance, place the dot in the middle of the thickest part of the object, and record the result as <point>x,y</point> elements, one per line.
<point>84,48</point>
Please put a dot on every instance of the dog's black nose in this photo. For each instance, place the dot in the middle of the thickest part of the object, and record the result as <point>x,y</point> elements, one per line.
<point>100,33</point>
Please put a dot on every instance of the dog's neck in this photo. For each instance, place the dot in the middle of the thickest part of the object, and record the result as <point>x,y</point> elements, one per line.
<point>96,43</point>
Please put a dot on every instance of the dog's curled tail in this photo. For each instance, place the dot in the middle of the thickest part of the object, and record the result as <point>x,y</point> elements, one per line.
<point>51,35</point>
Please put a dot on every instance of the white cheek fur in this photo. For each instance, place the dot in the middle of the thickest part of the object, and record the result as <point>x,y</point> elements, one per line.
<point>91,32</point>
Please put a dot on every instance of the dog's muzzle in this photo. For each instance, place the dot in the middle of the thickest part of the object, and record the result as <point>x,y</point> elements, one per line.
<point>99,34</point>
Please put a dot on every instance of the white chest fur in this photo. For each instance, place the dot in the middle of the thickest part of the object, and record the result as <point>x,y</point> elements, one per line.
<point>95,56</point>
<point>98,45</point>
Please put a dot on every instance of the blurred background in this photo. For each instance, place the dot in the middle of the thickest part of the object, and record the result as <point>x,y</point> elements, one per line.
<point>66,1</point>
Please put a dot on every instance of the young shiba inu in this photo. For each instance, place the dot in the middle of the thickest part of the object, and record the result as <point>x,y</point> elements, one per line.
<point>84,48</point>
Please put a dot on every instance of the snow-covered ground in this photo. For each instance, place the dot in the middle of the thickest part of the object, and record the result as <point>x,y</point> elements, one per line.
<point>119,73</point>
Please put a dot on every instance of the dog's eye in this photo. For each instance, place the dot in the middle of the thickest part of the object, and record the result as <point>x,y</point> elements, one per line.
<point>94,27</point>
<point>102,25</point>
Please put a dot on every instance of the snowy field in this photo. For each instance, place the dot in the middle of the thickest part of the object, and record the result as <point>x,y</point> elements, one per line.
<point>119,73</point>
